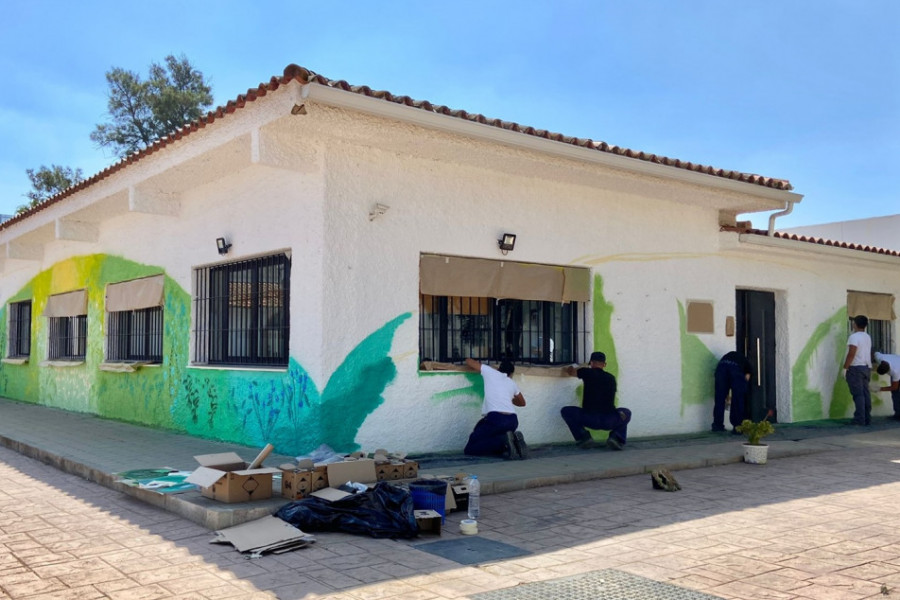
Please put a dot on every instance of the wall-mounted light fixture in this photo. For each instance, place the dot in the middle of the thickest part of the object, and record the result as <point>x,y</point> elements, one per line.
<point>222,245</point>
<point>507,242</point>
<point>298,109</point>
<point>378,210</point>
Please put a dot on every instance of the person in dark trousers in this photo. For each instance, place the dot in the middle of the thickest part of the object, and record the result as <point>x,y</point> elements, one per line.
<point>598,407</point>
<point>732,375</point>
<point>889,364</point>
<point>858,370</point>
<point>495,433</point>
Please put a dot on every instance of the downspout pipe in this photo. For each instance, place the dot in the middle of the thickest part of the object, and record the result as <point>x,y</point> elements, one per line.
<point>788,210</point>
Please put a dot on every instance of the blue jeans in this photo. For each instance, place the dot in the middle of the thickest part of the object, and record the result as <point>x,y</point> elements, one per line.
<point>858,382</point>
<point>489,436</point>
<point>615,422</point>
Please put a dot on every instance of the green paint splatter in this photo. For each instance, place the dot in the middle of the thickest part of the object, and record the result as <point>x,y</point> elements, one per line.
<point>806,402</point>
<point>603,340</point>
<point>244,406</point>
<point>698,366</point>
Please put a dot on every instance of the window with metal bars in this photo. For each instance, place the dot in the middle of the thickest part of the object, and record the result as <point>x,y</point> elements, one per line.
<point>68,338</point>
<point>241,312</point>
<point>19,345</point>
<point>135,335</point>
<point>881,332</point>
<point>453,328</point>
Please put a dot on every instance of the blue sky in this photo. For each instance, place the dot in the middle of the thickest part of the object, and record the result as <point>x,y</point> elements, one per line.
<point>802,90</point>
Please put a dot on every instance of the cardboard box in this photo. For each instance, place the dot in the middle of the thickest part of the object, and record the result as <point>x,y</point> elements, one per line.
<point>226,478</point>
<point>360,470</point>
<point>429,521</point>
<point>461,496</point>
<point>298,482</point>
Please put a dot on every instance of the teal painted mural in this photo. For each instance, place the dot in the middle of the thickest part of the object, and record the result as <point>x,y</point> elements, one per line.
<point>698,366</point>
<point>251,407</point>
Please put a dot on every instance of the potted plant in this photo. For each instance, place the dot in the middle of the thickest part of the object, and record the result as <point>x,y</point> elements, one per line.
<point>754,451</point>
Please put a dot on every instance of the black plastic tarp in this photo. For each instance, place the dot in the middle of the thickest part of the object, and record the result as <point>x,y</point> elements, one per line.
<point>386,511</point>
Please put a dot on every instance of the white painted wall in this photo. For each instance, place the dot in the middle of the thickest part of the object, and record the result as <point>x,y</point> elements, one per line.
<point>307,184</point>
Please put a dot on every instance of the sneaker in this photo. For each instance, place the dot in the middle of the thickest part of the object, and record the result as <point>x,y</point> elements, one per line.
<point>587,443</point>
<point>520,445</point>
<point>613,443</point>
<point>718,429</point>
<point>510,451</point>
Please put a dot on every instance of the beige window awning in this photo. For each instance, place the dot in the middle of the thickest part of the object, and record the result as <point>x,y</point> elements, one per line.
<point>70,304</point>
<point>875,306</point>
<point>135,294</point>
<point>454,276</point>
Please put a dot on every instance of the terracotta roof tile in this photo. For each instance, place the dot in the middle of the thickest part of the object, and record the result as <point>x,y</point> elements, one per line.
<point>303,75</point>
<point>813,240</point>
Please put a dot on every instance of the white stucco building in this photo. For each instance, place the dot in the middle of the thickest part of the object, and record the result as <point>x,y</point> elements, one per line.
<point>359,265</point>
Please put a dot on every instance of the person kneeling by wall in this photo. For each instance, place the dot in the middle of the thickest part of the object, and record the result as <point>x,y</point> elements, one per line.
<point>495,434</point>
<point>598,408</point>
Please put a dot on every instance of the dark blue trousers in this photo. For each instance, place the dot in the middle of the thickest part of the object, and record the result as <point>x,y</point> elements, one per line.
<point>489,436</point>
<point>730,376</point>
<point>615,422</point>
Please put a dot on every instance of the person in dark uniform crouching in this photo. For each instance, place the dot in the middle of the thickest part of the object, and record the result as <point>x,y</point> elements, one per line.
<point>598,407</point>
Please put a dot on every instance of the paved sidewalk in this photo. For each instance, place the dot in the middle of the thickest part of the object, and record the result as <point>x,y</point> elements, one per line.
<point>95,449</point>
<point>823,525</point>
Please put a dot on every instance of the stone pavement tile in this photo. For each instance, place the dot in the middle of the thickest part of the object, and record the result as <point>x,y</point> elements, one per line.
<point>194,583</point>
<point>456,588</point>
<point>778,581</point>
<point>298,590</point>
<point>335,579</point>
<point>695,582</point>
<point>380,591</point>
<point>871,571</point>
<point>821,592</point>
<point>29,584</point>
<point>136,592</point>
<point>810,565</point>
<point>849,584</point>
<point>739,566</point>
<point>575,567</point>
<point>366,574</point>
<point>747,591</point>
<point>77,593</point>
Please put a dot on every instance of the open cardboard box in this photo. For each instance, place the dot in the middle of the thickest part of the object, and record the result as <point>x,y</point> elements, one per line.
<point>228,478</point>
<point>357,470</point>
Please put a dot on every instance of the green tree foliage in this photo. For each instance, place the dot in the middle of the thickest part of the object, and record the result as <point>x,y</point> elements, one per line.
<point>141,112</point>
<point>46,182</point>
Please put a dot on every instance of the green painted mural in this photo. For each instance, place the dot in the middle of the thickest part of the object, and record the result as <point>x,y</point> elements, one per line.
<point>251,407</point>
<point>698,366</point>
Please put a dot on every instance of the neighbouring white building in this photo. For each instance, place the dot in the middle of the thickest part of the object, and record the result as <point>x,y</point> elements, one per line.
<point>877,232</point>
<point>312,262</point>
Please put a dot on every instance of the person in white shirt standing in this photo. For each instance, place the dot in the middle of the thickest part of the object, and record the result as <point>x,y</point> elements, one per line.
<point>495,434</point>
<point>889,364</point>
<point>858,370</point>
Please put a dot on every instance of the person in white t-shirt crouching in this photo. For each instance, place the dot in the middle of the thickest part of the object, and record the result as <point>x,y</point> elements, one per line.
<point>889,364</point>
<point>495,434</point>
<point>858,370</point>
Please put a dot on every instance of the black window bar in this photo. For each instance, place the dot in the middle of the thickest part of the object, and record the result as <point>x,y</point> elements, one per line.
<point>452,328</point>
<point>20,329</point>
<point>135,335</point>
<point>68,338</point>
<point>241,312</point>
